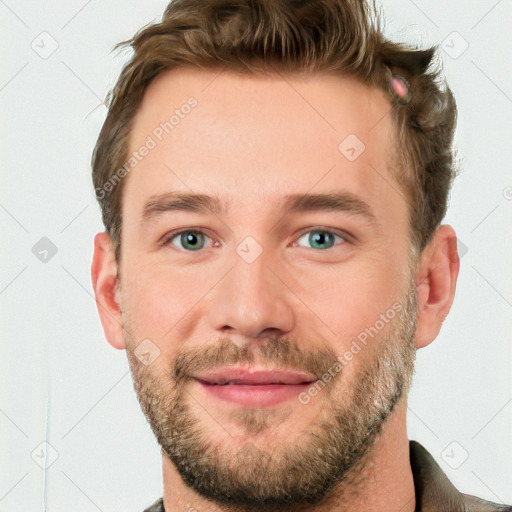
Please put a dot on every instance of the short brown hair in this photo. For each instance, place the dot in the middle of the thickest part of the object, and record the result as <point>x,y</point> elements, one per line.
<point>295,36</point>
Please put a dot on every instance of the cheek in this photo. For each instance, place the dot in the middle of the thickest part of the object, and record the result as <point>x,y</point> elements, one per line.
<point>351,299</point>
<point>155,303</point>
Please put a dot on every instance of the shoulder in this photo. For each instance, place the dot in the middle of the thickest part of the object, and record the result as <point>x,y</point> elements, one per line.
<point>474,504</point>
<point>434,491</point>
<point>158,506</point>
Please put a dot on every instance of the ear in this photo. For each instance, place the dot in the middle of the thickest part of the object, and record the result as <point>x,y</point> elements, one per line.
<point>105,285</point>
<point>435,284</point>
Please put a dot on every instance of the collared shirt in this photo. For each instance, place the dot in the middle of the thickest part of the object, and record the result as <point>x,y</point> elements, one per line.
<point>434,492</point>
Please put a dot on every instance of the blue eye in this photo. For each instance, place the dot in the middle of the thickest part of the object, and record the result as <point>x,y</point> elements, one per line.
<point>320,238</point>
<point>190,240</point>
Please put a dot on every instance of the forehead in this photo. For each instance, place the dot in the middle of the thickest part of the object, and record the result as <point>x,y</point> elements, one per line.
<point>255,138</point>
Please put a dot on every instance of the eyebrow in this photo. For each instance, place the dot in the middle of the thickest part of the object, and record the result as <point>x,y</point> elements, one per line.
<point>335,201</point>
<point>180,201</point>
<point>292,203</point>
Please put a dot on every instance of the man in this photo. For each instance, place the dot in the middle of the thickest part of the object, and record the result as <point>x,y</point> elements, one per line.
<point>272,178</point>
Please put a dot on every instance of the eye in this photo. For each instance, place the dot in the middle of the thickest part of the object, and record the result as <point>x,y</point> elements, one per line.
<point>320,238</point>
<point>191,240</point>
<point>187,239</point>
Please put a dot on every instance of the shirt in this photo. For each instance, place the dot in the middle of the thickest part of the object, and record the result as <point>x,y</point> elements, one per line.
<point>434,492</point>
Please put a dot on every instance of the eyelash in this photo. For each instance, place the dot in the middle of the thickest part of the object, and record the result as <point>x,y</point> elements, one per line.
<point>343,236</point>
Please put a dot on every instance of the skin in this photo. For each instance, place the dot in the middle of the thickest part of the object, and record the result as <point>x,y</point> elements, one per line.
<point>251,140</point>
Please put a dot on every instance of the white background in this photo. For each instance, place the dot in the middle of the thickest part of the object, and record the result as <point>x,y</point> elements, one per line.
<point>61,382</point>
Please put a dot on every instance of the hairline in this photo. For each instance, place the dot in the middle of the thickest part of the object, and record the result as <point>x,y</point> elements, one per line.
<point>394,165</point>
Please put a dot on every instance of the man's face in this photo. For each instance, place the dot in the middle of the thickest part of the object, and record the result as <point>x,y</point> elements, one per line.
<point>256,284</point>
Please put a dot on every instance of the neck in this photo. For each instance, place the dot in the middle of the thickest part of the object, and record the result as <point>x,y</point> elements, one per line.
<point>385,483</point>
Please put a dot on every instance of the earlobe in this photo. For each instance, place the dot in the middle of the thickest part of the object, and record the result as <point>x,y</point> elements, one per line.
<point>436,281</point>
<point>105,285</point>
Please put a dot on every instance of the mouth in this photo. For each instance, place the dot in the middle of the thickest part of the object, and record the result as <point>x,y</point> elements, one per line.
<point>251,387</point>
<point>255,376</point>
<point>243,383</point>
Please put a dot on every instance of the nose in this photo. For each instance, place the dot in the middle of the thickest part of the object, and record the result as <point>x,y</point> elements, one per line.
<point>252,301</point>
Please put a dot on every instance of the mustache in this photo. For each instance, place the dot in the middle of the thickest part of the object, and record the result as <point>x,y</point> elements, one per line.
<point>278,353</point>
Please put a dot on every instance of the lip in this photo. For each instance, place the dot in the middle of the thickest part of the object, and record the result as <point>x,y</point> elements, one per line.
<point>255,396</point>
<point>254,387</point>
<point>255,376</point>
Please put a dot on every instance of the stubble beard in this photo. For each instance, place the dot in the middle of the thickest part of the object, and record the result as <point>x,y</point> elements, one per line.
<point>301,470</point>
